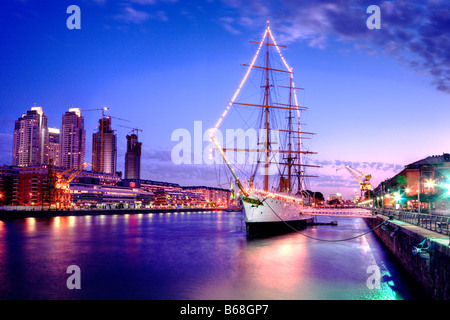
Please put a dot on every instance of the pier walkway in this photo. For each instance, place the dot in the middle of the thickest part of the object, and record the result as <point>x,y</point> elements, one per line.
<point>339,212</point>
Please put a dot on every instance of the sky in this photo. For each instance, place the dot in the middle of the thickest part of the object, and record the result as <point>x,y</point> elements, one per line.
<point>378,99</point>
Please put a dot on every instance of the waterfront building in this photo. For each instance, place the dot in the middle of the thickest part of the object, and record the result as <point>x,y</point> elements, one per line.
<point>72,139</point>
<point>54,148</point>
<point>8,180</point>
<point>161,198</point>
<point>172,194</point>
<point>31,186</point>
<point>30,139</point>
<point>426,181</point>
<point>109,197</point>
<point>97,178</point>
<point>335,197</point>
<point>215,196</point>
<point>104,148</point>
<point>150,185</point>
<point>133,157</point>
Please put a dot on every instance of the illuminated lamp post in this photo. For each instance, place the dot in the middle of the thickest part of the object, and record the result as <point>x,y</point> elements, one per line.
<point>430,184</point>
<point>407,192</point>
<point>447,192</point>
<point>398,199</point>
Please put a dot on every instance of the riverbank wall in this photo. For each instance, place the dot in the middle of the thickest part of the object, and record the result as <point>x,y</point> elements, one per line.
<point>20,214</point>
<point>423,253</point>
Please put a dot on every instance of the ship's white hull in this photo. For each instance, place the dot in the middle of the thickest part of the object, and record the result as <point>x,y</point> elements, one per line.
<point>265,215</point>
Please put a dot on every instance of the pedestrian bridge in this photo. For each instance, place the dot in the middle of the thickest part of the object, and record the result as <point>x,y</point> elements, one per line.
<point>339,212</point>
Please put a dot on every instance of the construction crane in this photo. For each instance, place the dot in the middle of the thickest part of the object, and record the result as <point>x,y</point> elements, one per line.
<point>134,130</point>
<point>102,109</point>
<point>364,180</point>
<point>61,194</point>
<point>118,118</point>
<point>104,115</point>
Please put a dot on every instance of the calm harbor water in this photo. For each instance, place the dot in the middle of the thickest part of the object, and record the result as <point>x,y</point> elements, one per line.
<point>197,255</point>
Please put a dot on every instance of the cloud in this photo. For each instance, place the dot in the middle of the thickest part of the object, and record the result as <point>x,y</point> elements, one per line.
<point>226,23</point>
<point>152,2</point>
<point>156,155</point>
<point>413,32</point>
<point>145,12</point>
<point>132,15</point>
<point>184,174</point>
<point>378,166</point>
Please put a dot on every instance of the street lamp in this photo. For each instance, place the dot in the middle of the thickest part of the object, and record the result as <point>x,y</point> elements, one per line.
<point>447,186</point>
<point>430,184</point>
<point>418,194</point>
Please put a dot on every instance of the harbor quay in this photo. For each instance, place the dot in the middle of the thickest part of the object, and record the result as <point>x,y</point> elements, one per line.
<point>421,244</point>
<point>14,213</point>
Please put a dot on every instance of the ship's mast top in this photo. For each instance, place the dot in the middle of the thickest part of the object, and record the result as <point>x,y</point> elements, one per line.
<point>267,143</point>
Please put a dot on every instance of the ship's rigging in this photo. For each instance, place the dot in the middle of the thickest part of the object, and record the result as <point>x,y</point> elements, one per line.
<point>275,151</point>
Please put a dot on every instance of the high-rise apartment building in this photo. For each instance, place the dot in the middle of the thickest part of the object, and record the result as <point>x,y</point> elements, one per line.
<point>30,139</point>
<point>54,148</point>
<point>133,157</point>
<point>72,139</point>
<point>104,148</point>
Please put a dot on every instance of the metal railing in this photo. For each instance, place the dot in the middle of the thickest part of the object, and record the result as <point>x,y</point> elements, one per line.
<point>433,222</point>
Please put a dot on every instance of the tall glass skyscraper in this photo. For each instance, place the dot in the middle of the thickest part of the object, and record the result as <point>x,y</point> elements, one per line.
<point>72,139</point>
<point>30,139</point>
<point>54,147</point>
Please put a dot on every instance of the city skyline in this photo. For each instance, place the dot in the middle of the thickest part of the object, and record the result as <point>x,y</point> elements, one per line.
<point>163,65</point>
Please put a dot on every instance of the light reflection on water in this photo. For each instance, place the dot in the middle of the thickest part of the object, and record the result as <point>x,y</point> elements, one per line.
<point>197,255</point>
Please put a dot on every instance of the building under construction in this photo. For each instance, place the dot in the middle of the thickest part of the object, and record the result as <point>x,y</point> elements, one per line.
<point>104,148</point>
<point>133,157</point>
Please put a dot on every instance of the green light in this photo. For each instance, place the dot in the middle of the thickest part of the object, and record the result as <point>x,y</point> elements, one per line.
<point>447,186</point>
<point>397,196</point>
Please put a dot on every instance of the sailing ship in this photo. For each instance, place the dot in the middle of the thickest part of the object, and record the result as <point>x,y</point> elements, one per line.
<point>265,155</point>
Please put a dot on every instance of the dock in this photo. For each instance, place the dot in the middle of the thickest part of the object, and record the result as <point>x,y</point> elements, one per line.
<point>425,254</point>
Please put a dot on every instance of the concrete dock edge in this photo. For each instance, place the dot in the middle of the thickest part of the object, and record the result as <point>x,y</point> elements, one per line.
<point>431,267</point>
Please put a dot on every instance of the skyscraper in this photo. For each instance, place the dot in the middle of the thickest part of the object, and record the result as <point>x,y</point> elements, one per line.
<point>73,139</point>
<point>104,148</point>
<point>30,139</point>
<point>54,148</point>
<point>133,157</point>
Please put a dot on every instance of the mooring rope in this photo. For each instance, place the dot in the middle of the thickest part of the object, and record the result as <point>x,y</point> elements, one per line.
<point>327,240</point>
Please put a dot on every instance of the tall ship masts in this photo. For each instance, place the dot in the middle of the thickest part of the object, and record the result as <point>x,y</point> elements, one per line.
<point>277,146</point>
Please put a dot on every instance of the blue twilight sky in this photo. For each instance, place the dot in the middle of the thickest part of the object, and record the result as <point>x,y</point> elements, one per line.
<point>377,99</point>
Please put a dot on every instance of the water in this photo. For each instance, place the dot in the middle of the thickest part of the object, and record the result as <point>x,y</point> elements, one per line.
<point>199,255</point>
